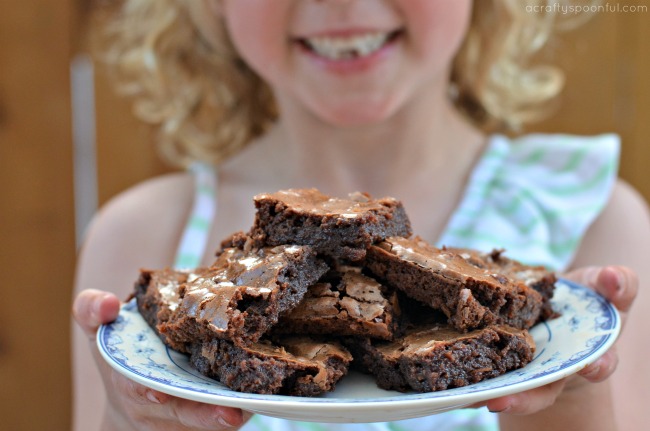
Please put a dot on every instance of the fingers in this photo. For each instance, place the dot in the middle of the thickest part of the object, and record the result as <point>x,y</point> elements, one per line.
<point>92,308</point>
<point>133,393</point>
<point>618,284</point>
<point>528,402</point>
<point>150,409</point>
<point>602,368</point>
<point>206,416</point>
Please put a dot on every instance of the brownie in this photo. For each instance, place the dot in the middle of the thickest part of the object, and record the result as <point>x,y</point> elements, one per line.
<point>346,302</point>
<point>242,295</point>
<point>434,357</point>
<point>296,365</point>
<point>342,228</point>
<point>469,295</point>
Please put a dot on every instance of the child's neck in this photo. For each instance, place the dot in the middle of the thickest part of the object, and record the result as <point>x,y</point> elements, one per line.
<point>427,138</point>
<point>429,150</point>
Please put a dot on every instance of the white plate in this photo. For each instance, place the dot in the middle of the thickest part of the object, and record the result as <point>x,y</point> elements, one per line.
<point>587,327</point>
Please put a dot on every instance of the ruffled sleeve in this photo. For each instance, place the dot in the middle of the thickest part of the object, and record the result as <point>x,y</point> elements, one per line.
<point>535,196</point>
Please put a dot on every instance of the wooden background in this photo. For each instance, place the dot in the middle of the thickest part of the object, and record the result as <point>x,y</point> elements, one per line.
<point>37,249</point>
<point>608,90</point>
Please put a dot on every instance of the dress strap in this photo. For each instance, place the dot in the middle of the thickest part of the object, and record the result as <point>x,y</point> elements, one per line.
<point>193,242</point>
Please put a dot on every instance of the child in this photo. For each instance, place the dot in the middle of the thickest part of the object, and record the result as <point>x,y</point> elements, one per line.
<point>392,97</point>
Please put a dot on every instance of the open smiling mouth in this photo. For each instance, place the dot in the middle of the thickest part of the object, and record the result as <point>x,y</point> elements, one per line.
<point>349,47</point>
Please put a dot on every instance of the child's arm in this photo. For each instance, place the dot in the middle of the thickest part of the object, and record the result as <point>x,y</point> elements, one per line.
<point>139,228</point>
<point>620,237</point>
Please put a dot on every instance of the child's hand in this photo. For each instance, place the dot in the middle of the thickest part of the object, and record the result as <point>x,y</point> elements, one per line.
<point>619,285</point>
<point>133,406</point>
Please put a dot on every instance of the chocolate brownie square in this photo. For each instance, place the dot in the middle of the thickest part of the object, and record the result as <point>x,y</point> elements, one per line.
<point>434,357</point>
<point>345,302</point>
<point>470,296</point>
<point>242,294</point>
<point>292,365</point>
<point>342,228</point>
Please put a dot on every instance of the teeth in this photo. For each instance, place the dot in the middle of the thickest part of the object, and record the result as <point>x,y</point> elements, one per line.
<point>339,48</point>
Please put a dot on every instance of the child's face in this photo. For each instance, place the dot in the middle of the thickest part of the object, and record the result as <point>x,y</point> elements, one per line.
<point>349,62</point>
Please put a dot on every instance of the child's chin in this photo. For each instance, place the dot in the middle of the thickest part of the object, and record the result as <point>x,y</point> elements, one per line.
<point>360,116</point>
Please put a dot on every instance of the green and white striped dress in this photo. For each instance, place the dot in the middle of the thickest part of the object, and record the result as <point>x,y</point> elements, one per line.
<point>534,196</point>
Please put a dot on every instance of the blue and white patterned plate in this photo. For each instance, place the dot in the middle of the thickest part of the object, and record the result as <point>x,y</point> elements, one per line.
<point>587,327</point>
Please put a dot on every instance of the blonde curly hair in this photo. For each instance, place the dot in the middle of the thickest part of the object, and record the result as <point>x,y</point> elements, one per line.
<point>186,78</point>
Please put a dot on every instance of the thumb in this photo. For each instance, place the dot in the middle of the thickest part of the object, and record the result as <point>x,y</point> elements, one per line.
<point>618,284</point>
<point>92,308</point>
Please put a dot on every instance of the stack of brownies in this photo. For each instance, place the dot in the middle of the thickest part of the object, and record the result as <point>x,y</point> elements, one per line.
<point>320,284</point>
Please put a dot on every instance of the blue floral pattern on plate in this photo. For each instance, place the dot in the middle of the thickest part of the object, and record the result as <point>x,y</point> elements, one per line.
<point>587,327</point>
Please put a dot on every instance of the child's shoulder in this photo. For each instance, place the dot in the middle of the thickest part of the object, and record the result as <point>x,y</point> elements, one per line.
<point>621,234</point>
<point>154,197</point>
<point>138,228</point>
<point>141,224</point>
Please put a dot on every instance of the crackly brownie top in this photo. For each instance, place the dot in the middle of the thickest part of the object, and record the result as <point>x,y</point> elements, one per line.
<point>446,262</point>
<point>298,348</point>
<point>307,348</point>
<point>496,261</point>
<point>422,339</point>
<point>314,202</point>
<point>165,284</point>
<point>254,274</point>
<point>361,298</point>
